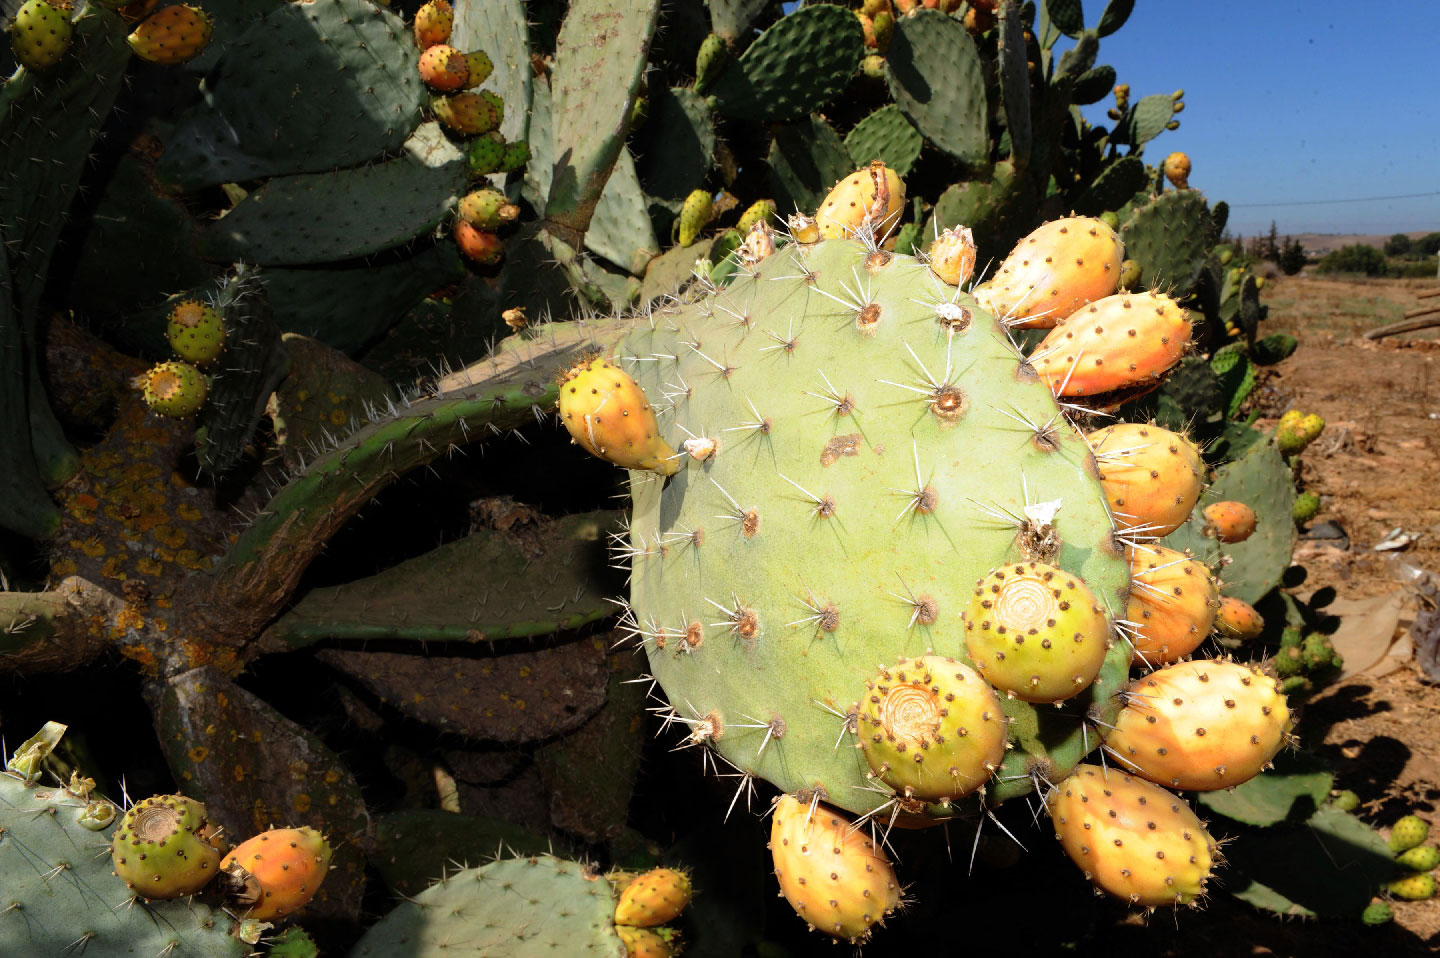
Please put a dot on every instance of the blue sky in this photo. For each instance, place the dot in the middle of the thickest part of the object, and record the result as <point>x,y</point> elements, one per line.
<point>1294,101</point>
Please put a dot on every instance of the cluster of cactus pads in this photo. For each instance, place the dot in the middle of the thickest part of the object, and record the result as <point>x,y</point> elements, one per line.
<point>843,459</point>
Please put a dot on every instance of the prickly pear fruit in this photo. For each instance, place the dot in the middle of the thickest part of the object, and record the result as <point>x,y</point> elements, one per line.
<point>165,848</point>
<point>1036,632</point>
<point>952,256</point>
<point>758,212</point>
<point>694,214</point>
<point>1177,170</point>
<point>1413,887</point>
<point>467,113</point>
<point>869,200</point>
<point>832,874</point>
<point>1126,342</point>
<point>478,245</point>
<point>277,872</point>
<point>654,898</point>
<point>643,942</point>
<point>1060,267</point>
<point>867,28</point>
<point>172,35</point>
<point>487,209</point>
<point>1238,619</point>
<point>1130,272</point>
<point>1295,432</point>
<point>1229,521</point>
<point>444,68</point>
<point>1307,507</point>
<point>931,728</point>
<point>1345,801</point>
<point>1377,913</point>
<point>1319,653</point>
<point>1421,858</point>
<point>607,414</point>
<point>1130,837</point>
<point>293,942</point>
<point>196,332</point>
<point>709,61</point>
<point>40,34</point>
<point>485,154</point>
<point>873,66</point>
<point>1407,833</point>
<point>759,243</point>
<point>515,156</point>
<point>883,27</point>
<point>803,228</point>
<point>174,389</point>
<point>1173,600</point>
<point>1152,476</point>
<point>433,22</point>
<point>1201,725</point>
<point>478,67</point>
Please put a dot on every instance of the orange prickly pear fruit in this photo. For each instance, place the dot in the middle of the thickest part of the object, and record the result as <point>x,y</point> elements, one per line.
<point>1172,604</point>
<point>607,414</point>
<point>1152,477</point>
<point>1177,169</point>
<point>832,874</point>
<point>433,22</point>
<point>480,246</point>
<point>172,35</point>
<point>444,68</point>
<point>1130,837</point>
<point>1230,521</point>
<point>1201,725</point>
<point>1057,269</point>
<point>870,199</point>
<point>654,898</point>
<point>952,256</point>
<point>1120,345</point>
<point>1238,619</point>
<point>276,873</point>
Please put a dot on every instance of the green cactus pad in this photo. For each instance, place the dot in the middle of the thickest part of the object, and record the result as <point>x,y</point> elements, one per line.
<point>1298,784</point>
<point>806,159</point>
<point>621,230</point>
<point>1171,239</point>
<point>680,143</point>
<point>731,18</point>
<point>1114,15</point>
<point>793,68</point>
<point>307,63</point>
<point>59,890</point>
<point>1236,375</point>
<point>998,211</point>
<point>419,846</point>
<point>885,135</point>
<point>1093,85</point>
<point>523,907</point>
<point>1144,120</point>
<point>323,217</point>
<point>500,28</point>
<point>1119,181</point>
<point>1068,16</point>
<point>936,78</point>
<point>324,396</point>
<point>1014,82</point>
<point>803,507</point>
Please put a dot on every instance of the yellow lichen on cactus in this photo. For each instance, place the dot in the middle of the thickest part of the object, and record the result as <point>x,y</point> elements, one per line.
<point>1060,267</point>
<point>606,413</point>
<point>869,200</point>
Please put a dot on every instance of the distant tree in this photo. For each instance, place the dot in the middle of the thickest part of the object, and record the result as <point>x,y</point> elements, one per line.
<point>1359,258</point>
<point>1292,256</point>
<point>1430,245</point>
<point>1397,245</point>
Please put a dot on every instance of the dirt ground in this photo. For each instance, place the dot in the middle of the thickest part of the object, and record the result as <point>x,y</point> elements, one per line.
<point>1376,468</point>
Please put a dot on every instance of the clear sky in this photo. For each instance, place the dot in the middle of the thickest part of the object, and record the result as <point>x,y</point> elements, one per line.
<point>1294,102</point>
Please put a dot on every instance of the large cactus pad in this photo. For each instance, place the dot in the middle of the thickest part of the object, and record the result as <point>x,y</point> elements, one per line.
<point>879,439</point>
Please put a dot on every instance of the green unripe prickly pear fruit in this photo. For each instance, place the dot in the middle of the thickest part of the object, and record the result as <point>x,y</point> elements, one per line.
<point>1291,637</point>
<point>725,244</point>
<point>487,209</point>
<point>515,156</point>
<point>40,34</point>
<point>1289,662</point>
<point>1294,432</point>
<point>1377,913</point>
<point>174,389</point>
<point>485,154</point>
<point>1410,831</point>
<point>1318,652</point>
<point>1307,506</point>
<point>873,66</point>
<point>1111,219</point>
<point>694,214</point>
<point>709,62</point>
<point>1225,256</point>
<point>1130,271</point>
<point>196,332</point>
<point>1413,887</point>
<point>756,212</point>
<point>468,113</point>
<point>1259,282</point>
<point>1421,858</point>
<point>1345,801</point>
<point>639,113</point>
<point>166,848</point>
<point>478,67</point>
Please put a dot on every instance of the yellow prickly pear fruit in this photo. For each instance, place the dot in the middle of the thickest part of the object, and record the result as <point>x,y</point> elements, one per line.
<point>869,200</point>
<point>1036,631</point>
<point>1408,833</point>
<point>165,847</point>
<point>1238,619</point>
<point>606,413</point>
<point>931,728</point>
<point>1230,521</point>
<point>654,898</point>
<point>1057,269</point>
<point>694,214</point>
<point>803,228</point>
<point>1152,477</point>
<point>1413,887</point>
<point>1122,345</point>
<point>40,34</point>
<point>172,35</point>
<point>643,943</point>
<point>832,874</point>
<point>952,256</point>
<point>1173,600</point>
<point>487,209</point>
<point>174,389</point>
<point>1130,837</point>
<point>757,212</point>
<point>1201,725</point>
<point>433,22</point>
<point>196,332</point>
<point>1421,858</point>
<point>1177,170</point>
